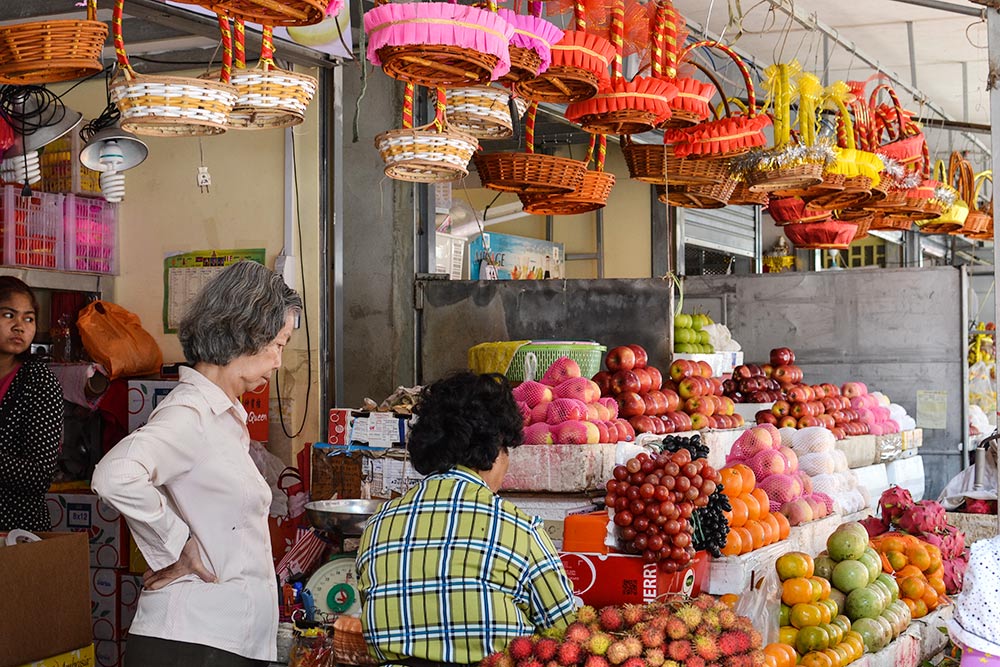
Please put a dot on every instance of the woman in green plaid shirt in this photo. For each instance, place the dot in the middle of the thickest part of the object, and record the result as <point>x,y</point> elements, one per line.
<point>450,572</point>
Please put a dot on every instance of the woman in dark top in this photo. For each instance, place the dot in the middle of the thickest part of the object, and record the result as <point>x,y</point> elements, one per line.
<point>31,406</point>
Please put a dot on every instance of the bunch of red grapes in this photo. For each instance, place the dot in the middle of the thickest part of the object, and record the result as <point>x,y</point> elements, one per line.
<point>654,496</point>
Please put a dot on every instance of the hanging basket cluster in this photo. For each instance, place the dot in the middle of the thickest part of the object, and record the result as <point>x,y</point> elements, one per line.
<point>590,195</point>
<point>530,47</point>
<point>285,13</point>
<point>50,51</point>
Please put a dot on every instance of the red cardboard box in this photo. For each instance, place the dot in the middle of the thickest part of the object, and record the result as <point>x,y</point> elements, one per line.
<point>256,404</point>
<point>86,513</point>
<point>339,428</point>
<point>615,579</point>
<point>114,596</point>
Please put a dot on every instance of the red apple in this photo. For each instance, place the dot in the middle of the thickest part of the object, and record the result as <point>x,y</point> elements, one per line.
<point>655,377</point>
<point>851,389</point>
<point>625,431</point>
<point>699,421</point>
<point>728,405</point>
<point>623,381</point>
<point>826,420</point>
<point>767,370</point>
<point>659,401</point>
<point>831,389</point>
<point>620,358</point>
<point>645,382</point>
<point>742,371</point>
<point>788,421</point>
<point>807,421</point>
<point>658,427</point>
<point>838,433</point>
<point>668,424</point>
<point>689,387</point>
<point>642,424</point>
<point>797,394</point>
<point>781,408</point>
<point>765,417</point>
<point>702,404</point>
<point>756,370</point>
<point>705,368</point>
<point>630,404</point>
<point>603,380</point>
<point>641,358</point>
<point>604,435</point>
<point>681,420</point>
<point>798,410</point>
<point>673,400</point>
<point>818,408</point>
<point>782,356</point>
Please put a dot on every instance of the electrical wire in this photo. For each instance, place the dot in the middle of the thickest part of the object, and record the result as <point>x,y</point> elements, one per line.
<point>108,117</point>
<point>305,312</point>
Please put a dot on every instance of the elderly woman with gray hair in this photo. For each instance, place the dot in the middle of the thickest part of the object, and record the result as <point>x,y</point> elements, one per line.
<point>195,502</point>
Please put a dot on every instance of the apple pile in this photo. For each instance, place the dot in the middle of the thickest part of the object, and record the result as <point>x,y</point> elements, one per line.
<point>752,383</point>
<point>702,395</point>
<point>637,389</point>
<point>566,408</point>
<point>689,338</point>
<point>653,498</point>
<point>869,411</point>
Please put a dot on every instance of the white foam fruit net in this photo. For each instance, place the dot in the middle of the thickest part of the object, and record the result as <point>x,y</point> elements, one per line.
<point>811,440</point>
<point>839,461</point>
<point>820,463</point>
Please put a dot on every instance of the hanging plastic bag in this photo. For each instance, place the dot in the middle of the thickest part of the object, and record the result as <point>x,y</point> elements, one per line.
<point>114,338</point>
<point>762,602</point>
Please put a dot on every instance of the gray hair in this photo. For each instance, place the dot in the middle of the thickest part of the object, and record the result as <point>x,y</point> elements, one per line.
<point>237,313</point>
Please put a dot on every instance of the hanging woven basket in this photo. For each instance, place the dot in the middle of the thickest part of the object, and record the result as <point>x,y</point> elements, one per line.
<point>482,111</point>
<point>438,44</point>
<point>529,172</point>
<point>433,153</point>
<point>591,195</point>
<point>705,196</point>
<point>167,106</point>
<point>979,224</point>
<point>579,69</point>
<point>50,51</point>
<point>269,97</point>
<point>744,196</point>
<point>954,210</point>
<point>881,221</point>
<point>903,140</point>
<point>826,235</point>
<point>791,210</point>
<point>285,13</point>
<point>531,45</point>
<point>691,105</point>
<point>864,224</point>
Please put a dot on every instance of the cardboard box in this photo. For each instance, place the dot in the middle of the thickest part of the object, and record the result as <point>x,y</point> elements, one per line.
<point>371,429</point>
<point>359,474</point>
<point>495,256</point>
<point>86,513</point>
<point>81,657</point>
<point>143,397</point>
<point>559,468</point>
<point>109,653</point>
<point>338,429</point>
<point>114,596</point>
<point>606,579</point>
<point>256,404</point>
<point>45,606</point>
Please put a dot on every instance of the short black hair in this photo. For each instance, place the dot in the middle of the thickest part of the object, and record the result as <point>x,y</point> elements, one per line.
<point>9,285</point>
<point>464,419</point>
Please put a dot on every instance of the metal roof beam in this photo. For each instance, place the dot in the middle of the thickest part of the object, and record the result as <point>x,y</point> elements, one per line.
<point>944,7</point>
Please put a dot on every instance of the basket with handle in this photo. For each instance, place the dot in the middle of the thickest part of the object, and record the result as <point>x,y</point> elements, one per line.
<point>902,140</point>
<point>285,13</point>
<point>864,223</point>
<point>691,105</point>
<point>790,210</point>
<point>623,106</point>
<point>168,106</point>
<point>52,50</point>
<point>881,221</point>
<point>953,216</point>
<point>269,97</point>
<point>432,153</point>
<point>532,358</point>
<point>579,68</point>
<point>529,172</point>
<point>981,228</point>
<point>531,45</point>
<point>482,111</point>
<point>701,196</point>
<point>438,44</point>
<point>591,195</point>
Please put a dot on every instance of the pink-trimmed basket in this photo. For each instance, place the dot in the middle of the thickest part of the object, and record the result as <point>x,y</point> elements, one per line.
<point>438,44</point>
<point>531,45</point>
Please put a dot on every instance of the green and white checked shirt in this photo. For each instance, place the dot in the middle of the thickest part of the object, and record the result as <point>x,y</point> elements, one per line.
<point>450,572</point>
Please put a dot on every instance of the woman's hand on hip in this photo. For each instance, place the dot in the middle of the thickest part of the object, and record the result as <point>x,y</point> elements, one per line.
<point>188,563</point>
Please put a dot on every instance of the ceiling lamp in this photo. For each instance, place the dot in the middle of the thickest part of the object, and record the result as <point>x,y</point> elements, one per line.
<point>111,151</point>
<point>37,117</point>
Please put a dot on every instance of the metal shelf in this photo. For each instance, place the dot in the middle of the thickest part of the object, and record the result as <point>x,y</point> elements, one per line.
<point>61,280</point>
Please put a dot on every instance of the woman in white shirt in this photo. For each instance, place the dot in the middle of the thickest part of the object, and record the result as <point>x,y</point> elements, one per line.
<point>195,502</point>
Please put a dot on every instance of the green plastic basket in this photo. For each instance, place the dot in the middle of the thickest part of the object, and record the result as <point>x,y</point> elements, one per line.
<point>538,356</point>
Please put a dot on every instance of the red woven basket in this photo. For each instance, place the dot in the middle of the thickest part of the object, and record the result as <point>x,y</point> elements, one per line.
<point>579,69</point>
<point>826,235</point>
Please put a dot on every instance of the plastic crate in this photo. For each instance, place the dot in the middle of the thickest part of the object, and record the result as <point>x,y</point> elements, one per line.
<point>91,235</point>
<point>62,171</point>
<point>31,229</point>
<point>533,358</point>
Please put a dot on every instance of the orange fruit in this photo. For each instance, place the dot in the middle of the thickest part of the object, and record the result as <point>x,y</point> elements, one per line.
<point>935,555</point>
<point>911,604</point>
<point>817,590</point>
<point>886,565</point>
<point>909,571</point>
<point>831,606</point>
<point>844,652</point>
<point>757,533</point>
<point>930,597</point>
<point>892,543</point>
<point>732,482</point>
<point>834,657</point>
<point>769,661</point>
<point>919,609</point>
<point>734,545</point>
<point>937,584</point>
<point>918,557</point>
<point>911,587</point>
<point>783,525</point>
<point>782,654</point>
<point>824,615</point>
<point>897,560</point>
<point>753,507</point>
<point>824,586</point>
<point>815,659</point>
<point>797,590</point>
<point>762,500</point>
<point>746,538</point>
<point>856,642</point>
<point>749,479</point>
<point>805,615</point>
<point>794,564</point>
<point>729,599</point>
<point>773,523</point>
<point>787,634</point>
<point>739,513</point>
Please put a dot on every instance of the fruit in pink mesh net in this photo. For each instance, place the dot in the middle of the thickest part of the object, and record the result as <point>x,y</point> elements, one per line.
<point>611,404</point>
<point>540,412</point>
<point>780,488</point>
<point>791,460</point>
<point>798,512</point>
<point>826,501</point>
<point>766,463</point>
<point>927,516</point>
<point>538,434</point>
<point>574,432</point>
<point>579,388</point>
<point>561,370</point>
<point>775,434</point>
<point>532,393</point>
<point>751,443</point>
<point>806,482</point>
<point>895,502</point>
<point>525,411</point>
<point>565,409</point>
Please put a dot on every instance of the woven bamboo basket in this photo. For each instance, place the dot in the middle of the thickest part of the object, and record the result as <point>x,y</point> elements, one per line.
<point>42,52</point>
<point>790,210</point>
<point>438,44</point>
<point>706,196</point>
<point>953,216</point>
<point>433,153</point>
<point>656,164</point>
<point>167,106</point>
<point>831,183</point>
<point>530,47</point>
<point>283,13</point>
<point>743,196</point>
<point>269,97</point>
<point>882,221</point>
<point>799,176</point>
<point>904,142</point>
<point>856,191</point>
<point>482,111</point>
<point>824,235</point>
<point>579,69</point>
<point>591,195</point>
<point>864,224</point>
<point>979,224</point>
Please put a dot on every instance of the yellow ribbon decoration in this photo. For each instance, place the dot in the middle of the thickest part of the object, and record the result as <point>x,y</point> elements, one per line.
<point>850,161</point>
<point>810,93</point>
<point>777,80</point>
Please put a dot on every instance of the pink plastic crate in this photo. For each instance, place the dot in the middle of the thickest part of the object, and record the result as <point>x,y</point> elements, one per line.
<point>91,235</point>
<point>31,229</point>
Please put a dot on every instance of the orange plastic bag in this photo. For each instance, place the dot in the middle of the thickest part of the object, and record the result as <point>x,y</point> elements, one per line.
<point>114,338</point>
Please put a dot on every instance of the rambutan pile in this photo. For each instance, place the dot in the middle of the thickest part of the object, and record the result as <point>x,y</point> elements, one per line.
<point>667,633</point>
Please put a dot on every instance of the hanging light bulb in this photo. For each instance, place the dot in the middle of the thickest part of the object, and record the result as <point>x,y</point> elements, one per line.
<point>111,151</point>
<point>22,167</point>
<point>112,180</point>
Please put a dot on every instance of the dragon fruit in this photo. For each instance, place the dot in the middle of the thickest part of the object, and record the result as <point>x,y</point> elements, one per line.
<point>895,502</point>
<point>954,573</point>
<point>927,516</point>
<point>980,506</point>
<point>875,526</point>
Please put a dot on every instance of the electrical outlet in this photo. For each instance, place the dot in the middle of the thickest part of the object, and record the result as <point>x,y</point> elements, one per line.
<point>204,179</point>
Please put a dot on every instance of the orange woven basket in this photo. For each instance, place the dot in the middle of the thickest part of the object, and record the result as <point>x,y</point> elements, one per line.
<point>49,51</point>
<point>284,13</point>
<point>889,222</point>
<point>591,195</point>
<point>744,196</point>
<point>706,196</point>
<point>691,104</point>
